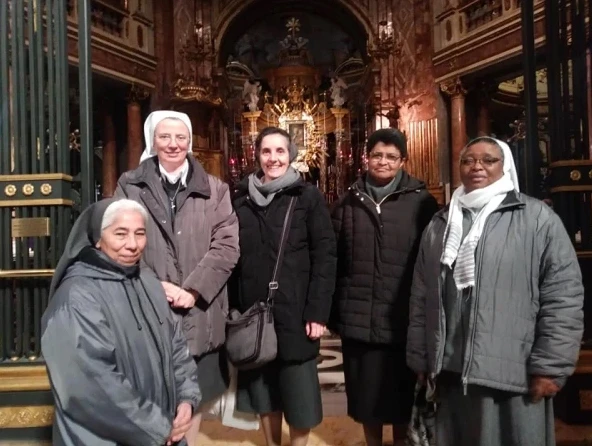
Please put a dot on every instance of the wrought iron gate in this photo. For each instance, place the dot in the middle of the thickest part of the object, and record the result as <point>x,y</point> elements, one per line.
<point>35,203</point>
<point>35,197</point>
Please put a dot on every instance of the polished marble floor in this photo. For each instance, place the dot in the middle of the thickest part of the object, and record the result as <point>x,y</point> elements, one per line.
<point>337,429</point>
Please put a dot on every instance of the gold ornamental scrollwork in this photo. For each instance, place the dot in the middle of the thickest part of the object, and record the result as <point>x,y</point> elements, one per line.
<point>453,87</point>
<point>28,189</point>
<point>575,175</point>
<point>45,189</point>
<point>590,174</point>
<point>186,89</point>
<point>10,190</point>
<point>26,416</point>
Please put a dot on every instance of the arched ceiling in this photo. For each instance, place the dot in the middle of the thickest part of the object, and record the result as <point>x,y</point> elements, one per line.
<point>259,12</point>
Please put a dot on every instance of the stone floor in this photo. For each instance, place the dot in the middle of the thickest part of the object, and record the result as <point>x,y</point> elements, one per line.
<point>336,429</point>
<point>339,430</point>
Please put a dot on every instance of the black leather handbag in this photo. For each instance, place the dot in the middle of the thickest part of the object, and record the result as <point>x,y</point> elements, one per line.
<point>251,340</point>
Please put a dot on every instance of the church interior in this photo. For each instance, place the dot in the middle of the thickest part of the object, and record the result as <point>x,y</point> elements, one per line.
<point>78,78</point>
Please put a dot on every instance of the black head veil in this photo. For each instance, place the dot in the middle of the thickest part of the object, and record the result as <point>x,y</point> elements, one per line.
<point>85,232</point>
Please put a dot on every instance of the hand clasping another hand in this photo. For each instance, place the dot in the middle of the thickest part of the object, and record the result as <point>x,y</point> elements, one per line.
<point>178,297</point>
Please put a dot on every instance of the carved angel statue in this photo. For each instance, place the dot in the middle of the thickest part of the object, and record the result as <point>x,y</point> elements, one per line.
<point>251,90</point>
<point>337,87</point>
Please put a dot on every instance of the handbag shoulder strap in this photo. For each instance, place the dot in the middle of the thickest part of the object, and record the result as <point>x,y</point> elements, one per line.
<point>273,285</point>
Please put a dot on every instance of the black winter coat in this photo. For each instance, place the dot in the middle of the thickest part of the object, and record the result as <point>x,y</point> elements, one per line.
<point>377,245</point>
<point>307,276</point>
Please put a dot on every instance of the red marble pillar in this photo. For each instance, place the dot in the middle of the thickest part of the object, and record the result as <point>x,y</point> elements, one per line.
<point>109,165</point>
<point>457,93</point>
<point>134,126</point>
<point>483,120</point>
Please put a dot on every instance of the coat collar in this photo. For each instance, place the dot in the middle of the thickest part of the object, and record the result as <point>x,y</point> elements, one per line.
<point>241,189</point>
<point>513,200</point>
<point>148,173</point>
<point>407,184</point>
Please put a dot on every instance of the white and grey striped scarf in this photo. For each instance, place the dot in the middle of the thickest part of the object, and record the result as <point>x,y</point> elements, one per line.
<point>484,201</point>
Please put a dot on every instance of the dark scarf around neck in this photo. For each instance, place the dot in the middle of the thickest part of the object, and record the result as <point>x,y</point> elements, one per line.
<point>378,193</point>
<point>95,257</point>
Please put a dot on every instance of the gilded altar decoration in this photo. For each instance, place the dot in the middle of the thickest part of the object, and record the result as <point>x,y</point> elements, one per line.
<point>186,89</point>
<point>295,102</point>
<point>299,88</point>
<point>295,110</point>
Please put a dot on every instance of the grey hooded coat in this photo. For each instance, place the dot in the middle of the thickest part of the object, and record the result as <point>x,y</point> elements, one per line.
<point>117,359</point>
<point>526,312</point>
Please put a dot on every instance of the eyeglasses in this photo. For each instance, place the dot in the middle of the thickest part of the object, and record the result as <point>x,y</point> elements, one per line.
<point>390,158</point>
<point>485,162</point>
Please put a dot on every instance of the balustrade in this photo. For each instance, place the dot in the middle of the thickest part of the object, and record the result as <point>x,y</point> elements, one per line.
<point>130,22</point>
<point>456,21</point>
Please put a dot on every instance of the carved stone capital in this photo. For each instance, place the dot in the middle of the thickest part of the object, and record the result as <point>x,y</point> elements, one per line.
<point>137,93</point>
<point>453,87</point>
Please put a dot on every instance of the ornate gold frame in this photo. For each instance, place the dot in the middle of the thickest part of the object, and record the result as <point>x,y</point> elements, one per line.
<point>293,118</point>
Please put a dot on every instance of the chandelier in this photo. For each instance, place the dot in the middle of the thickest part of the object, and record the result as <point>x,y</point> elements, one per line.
<point>197,54</point>
<point>386,43</point>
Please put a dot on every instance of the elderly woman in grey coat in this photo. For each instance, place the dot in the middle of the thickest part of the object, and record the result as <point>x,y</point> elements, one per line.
<point>192,242</point>
<point>496,307</point>
<point>118,362</point>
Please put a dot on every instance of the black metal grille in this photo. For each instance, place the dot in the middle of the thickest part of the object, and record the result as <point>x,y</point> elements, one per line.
<point>34,162</point>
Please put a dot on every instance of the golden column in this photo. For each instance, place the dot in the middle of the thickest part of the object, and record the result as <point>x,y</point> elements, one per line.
<point>340,114</point>
<point>249,149</point>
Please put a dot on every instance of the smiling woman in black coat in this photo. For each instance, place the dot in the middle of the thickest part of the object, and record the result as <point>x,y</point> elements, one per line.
<point>378,223</point>
<point>290,385</point>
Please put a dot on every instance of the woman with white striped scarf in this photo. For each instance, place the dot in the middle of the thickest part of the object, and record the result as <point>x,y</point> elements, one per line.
<point>496,307</point>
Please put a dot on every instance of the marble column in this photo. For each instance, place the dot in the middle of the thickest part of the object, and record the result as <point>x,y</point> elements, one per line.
<point>483,118</point>
<point>457,93</point>
<point>109,164</point>
<point>134,126</point>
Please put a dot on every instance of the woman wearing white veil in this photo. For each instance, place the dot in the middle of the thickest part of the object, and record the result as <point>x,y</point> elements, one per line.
<point>496,307</point>
<point>192,242</point>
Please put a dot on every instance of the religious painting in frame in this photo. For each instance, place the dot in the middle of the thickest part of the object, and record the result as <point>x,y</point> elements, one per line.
<point>297,131</point>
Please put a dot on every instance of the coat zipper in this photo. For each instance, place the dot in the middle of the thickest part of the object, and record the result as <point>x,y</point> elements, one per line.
<point>441,278</point>
<point>471,344</point>
<point>377,205</point>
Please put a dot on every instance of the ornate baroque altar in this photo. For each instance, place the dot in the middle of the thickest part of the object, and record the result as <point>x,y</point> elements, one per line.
<point>314,117</point>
